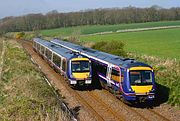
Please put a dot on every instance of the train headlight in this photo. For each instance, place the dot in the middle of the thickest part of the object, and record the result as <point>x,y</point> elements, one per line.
<point>150,96</point>
<point>88,81</point>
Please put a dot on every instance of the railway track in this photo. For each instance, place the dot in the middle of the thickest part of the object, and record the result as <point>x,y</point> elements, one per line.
<point>159,115</point>
<point>91,101</point>
<point>144,113</point>
<point>101,108</point>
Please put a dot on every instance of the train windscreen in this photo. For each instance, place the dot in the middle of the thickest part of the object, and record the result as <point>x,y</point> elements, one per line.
<point>140,77</point>
<point>80,66</point>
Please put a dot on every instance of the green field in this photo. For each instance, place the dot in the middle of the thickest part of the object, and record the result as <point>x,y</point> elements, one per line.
<point>161,43</point>
<point>102,28</point>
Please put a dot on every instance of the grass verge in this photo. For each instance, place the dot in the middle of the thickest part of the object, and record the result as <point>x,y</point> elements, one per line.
<point>24,94</point>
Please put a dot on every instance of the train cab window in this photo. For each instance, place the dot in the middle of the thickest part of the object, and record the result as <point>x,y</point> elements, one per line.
<point>80,66</point>
<point>115,75</point>
<point>140,77</point>
<point>64,65</point>
<point>48,54</point>
<point>56,60</point>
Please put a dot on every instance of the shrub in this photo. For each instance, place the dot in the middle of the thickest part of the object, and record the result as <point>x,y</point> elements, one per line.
<point>20,35</point>
<point>112,47</point>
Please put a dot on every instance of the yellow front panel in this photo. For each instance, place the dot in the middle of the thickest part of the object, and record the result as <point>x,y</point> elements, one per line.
<point>140,68</point>
<point>142,89</point>
<point>80,75</point>
<point>80,59</point>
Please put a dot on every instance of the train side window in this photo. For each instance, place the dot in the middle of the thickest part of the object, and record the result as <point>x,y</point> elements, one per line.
<point>115,75</point>
<point>56,60</point>
<point>64,65</point>
<point>34,44</point>
<point>42,49</point>
<point>48,54</point>
<point>38,47</point>
<point>102,69</point>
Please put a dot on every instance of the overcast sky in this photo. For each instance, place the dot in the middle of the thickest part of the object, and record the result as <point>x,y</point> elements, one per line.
<point>22,7</point>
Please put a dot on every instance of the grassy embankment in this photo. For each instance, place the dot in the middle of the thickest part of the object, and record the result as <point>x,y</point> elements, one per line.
<point>24,94</point>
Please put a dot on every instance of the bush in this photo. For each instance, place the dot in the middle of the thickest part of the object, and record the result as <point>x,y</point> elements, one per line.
<point>112,47</point>
<point>20,35</point>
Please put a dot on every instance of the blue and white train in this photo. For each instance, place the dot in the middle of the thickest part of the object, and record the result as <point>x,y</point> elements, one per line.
<point>127,78</point>
<point>75,67</point>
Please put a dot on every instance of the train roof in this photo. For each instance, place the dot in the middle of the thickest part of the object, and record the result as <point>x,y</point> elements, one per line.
<point>113,59</point>
<point>57,49</point>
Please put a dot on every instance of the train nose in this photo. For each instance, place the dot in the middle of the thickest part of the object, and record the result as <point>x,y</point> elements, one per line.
<point>142,89</point>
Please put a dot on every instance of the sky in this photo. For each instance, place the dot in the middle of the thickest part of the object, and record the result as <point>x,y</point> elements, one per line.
<point>22,7</point>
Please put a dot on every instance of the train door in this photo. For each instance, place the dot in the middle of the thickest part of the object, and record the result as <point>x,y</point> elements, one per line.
<point>108,75</point>
<point>95,78</point>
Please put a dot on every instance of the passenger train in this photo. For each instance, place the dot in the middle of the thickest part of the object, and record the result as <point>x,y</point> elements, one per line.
<point>128,79</point>
<point>75,67</point>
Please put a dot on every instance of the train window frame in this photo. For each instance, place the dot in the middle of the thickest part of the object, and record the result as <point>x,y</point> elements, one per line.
<point>56,63</point>
<point>114,72</point>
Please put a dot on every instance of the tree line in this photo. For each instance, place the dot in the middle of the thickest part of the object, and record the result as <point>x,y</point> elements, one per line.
<point>53,19</point>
